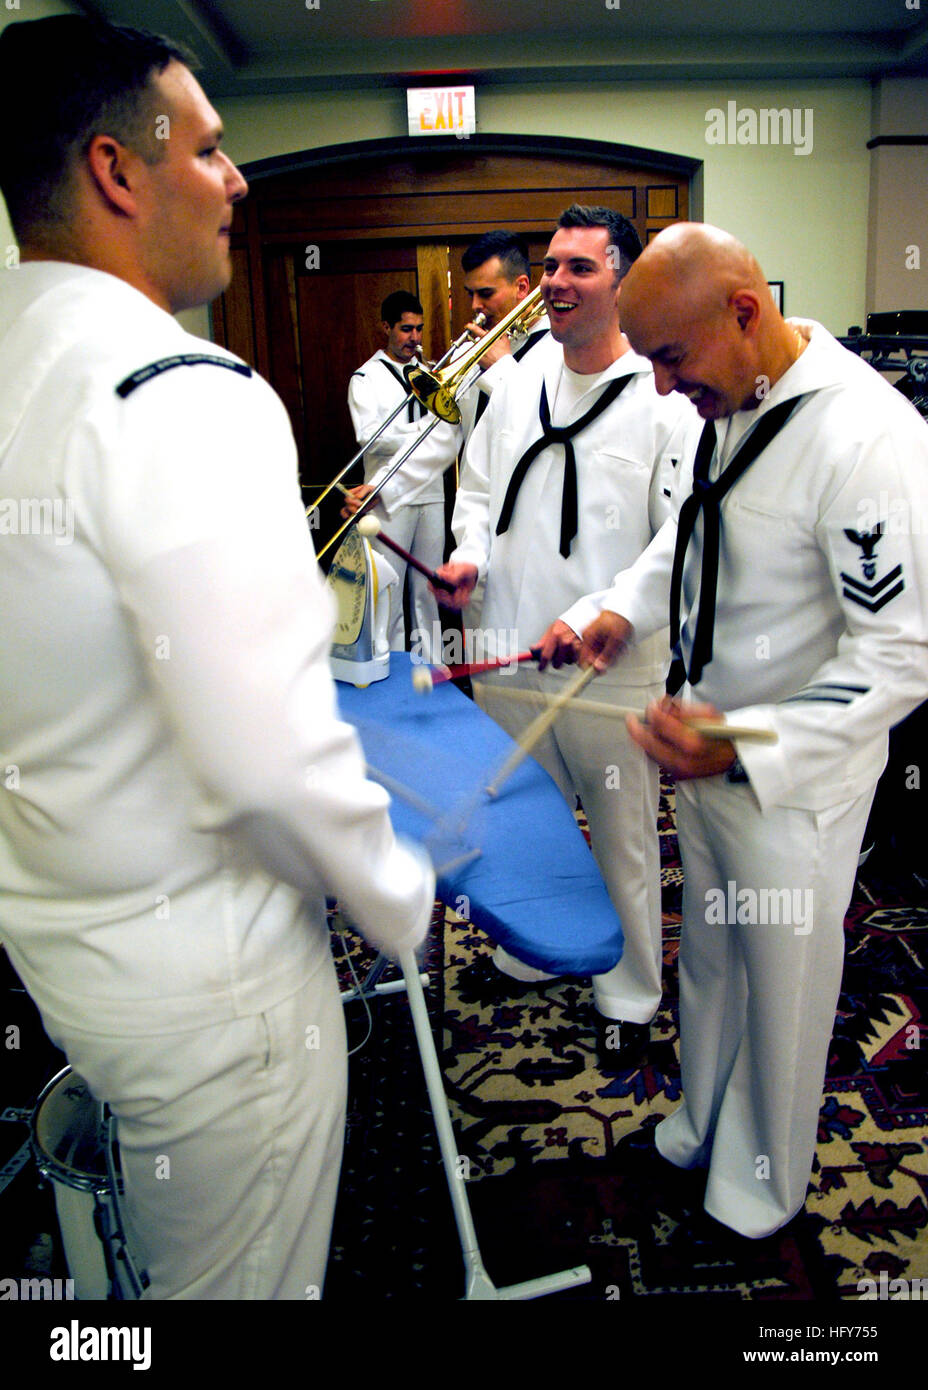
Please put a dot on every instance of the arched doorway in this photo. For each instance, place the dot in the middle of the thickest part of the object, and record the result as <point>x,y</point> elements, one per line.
<point>324,235</point>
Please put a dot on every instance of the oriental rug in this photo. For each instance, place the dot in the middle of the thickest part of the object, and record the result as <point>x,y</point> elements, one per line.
<point>557,1157</point>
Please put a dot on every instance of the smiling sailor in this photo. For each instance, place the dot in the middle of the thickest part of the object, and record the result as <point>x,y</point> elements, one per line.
<point>567,477</point>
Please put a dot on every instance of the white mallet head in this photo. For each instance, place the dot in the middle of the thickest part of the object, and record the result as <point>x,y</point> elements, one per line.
<point>369,526</point>
<point>422,680</point>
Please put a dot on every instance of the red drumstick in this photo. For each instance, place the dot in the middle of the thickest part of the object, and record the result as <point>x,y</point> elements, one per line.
<point>370,526</point>
<point>424,677</point>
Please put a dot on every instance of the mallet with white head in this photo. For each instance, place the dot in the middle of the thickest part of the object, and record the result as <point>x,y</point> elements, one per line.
<point>369,526</point>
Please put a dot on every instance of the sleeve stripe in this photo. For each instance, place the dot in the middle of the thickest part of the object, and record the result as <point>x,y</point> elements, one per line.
<point>185,359</point>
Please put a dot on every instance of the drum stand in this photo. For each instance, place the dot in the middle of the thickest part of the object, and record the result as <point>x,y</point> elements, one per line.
<point>479,1285</point>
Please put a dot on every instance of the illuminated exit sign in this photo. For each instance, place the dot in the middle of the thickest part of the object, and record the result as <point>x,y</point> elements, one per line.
<point>441,111</point>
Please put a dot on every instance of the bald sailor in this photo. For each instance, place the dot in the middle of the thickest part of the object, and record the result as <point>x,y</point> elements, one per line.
<point>794,608</point>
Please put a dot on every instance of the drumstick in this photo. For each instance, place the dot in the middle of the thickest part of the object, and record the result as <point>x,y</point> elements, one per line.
<point>709,728</point>
<point>369,526</point>
<point>424,678</point>
<point>539,727</point>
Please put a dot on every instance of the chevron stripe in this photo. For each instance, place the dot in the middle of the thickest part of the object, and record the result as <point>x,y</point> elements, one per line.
<point>880,602</point>
<point>871,590</point>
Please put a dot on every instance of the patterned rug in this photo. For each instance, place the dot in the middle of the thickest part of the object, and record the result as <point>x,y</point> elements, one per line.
<point>552,1185</point>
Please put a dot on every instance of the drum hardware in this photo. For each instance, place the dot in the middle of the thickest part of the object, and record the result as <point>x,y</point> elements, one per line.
<point>73,1141</point>
<point>23,1154</point>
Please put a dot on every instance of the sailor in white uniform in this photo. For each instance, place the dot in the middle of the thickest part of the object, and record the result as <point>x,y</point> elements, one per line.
<point>797,606</point>
<point>540,512</point>
<point>180,793</point>
<point>413,500</point>
<point>497,270</point>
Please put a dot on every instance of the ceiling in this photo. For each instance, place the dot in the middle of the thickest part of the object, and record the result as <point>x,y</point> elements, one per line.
<point>250,47</point>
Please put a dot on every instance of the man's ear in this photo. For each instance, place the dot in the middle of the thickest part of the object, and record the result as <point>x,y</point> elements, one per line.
<point>112,167</point>
<point>746,306</point>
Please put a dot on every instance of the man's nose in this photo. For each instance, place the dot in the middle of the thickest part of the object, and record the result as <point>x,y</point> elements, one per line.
<point>665,378</point>
<point>238,185</point>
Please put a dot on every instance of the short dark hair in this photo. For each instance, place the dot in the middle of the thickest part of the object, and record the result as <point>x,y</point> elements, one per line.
<point>397,304</point>
<point>509,246</point>
<point>622,234</point>
<point>64,80</point>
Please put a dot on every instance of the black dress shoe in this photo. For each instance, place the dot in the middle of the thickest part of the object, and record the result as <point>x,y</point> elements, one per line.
<point>620,1046</point>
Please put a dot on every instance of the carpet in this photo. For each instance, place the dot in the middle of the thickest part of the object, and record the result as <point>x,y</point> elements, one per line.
<point>559,1161</point>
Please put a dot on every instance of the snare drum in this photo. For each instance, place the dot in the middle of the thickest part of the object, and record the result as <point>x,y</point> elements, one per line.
<point>74,1150</point>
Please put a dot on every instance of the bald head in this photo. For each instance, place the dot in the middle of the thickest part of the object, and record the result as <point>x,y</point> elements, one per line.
<point>702,265</point>
<point>697,303</point>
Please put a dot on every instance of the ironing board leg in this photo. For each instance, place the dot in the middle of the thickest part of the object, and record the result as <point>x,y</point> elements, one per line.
<point>479,1284</point>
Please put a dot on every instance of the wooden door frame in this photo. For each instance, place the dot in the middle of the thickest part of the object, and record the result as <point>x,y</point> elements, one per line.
<point>539,146</point>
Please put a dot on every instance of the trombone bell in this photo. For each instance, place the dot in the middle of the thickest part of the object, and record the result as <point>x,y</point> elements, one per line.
<point>429,388</point>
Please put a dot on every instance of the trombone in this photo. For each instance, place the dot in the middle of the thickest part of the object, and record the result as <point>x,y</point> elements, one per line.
<point>479,319</point>
<point>437,390</point>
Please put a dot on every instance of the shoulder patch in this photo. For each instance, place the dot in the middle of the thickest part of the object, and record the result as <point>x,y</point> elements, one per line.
<point>184,359</point>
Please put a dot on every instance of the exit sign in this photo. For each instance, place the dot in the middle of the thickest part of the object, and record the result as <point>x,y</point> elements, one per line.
<point>441,111</point>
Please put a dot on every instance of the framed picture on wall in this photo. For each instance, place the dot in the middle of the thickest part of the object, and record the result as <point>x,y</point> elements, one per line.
<point>776,289</point>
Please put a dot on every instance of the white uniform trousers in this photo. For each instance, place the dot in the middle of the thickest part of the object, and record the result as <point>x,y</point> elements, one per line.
<point>230,1142</point>
<point>619,787</point>
<point>420,529</point>
<point>757,996</point>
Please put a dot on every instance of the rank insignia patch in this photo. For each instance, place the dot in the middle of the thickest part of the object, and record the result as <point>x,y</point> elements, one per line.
<point>875,593</point>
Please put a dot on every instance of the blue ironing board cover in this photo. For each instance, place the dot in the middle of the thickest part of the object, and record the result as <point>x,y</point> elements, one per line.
<point>536,888</point>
